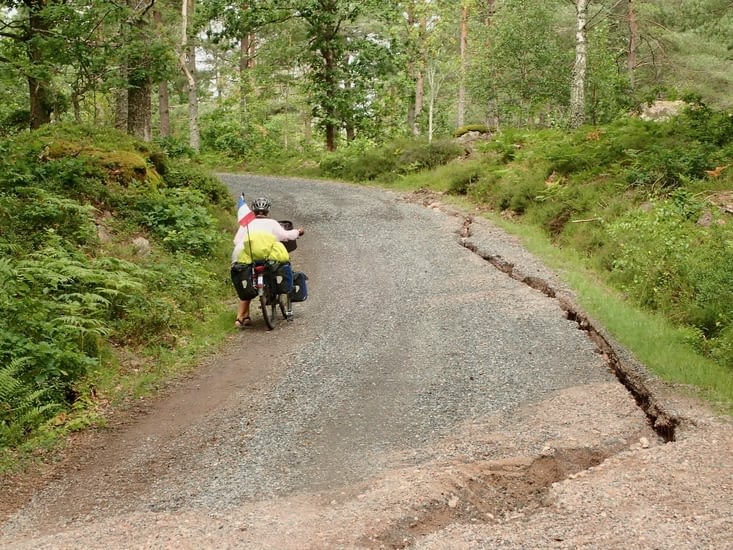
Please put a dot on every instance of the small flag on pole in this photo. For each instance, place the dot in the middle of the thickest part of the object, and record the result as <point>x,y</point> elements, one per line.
<point>244,215</point>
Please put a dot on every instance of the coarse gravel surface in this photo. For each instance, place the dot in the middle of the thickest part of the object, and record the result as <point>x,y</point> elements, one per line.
<point>438,389</point>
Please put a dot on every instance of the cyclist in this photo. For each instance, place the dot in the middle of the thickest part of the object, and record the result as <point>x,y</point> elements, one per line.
<point>262,241</point>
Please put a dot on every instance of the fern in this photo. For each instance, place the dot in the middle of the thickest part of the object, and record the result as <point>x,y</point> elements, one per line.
<point>22,407</point>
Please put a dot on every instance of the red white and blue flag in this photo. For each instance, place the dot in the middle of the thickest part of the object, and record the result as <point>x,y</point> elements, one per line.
<point>244,215</point>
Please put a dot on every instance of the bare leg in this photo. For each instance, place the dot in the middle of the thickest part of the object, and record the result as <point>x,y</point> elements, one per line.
<point>242,313</point>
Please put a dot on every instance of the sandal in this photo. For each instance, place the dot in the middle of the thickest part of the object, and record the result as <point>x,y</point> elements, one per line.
<point>243,322</point>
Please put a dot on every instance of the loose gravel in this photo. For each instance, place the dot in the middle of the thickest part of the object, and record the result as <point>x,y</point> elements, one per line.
<point>422,397</point>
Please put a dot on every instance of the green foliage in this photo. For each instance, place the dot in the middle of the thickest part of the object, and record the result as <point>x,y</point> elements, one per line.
<point>629,196</point>
<point>175,147</point>
<point>180,219</point>
<point>386,163</point>
<point>32,207</point>
<point>480,128</point>
<point>416,156</point>
<point>463,177</point>
<point>71,280</point>
<point>225,133</point>
<point>22,408</point>
<point>183,175</point>
<point>530,62</point>
<point>668,263</point>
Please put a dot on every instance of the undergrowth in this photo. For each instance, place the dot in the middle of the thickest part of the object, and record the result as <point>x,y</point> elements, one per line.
<point>106,245</point>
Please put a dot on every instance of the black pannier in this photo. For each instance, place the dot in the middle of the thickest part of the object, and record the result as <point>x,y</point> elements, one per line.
<point>284,278</point>
<point>242,279</point>
<point>300,288</point>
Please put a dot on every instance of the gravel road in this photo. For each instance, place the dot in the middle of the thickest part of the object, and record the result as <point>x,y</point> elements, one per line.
<point>422,397</point>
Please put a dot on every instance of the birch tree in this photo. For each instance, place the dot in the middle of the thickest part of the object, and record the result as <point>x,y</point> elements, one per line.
<point>187,59</point>
<point>463,44</point>
<point>577,86</point>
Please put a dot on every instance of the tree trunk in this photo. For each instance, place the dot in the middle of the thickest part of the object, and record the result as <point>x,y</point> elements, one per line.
<point>164,109</point>
<point>247,53</point>
<point>329,58</point>
<point>489,11</point>
<point>462,83</point>
<point>188,65</point>
<point>163,96</point>
<point>139,109</point>
<point>633,45</point>
<point>193,102</point>
<point>120,93</point>
<point>121,104</point>
<point>577,88</point>
<point>40,105</point>
<point>40,112</point>
<point>419,83</point>
<point>434,83</point>
<point>139,83</point>
<point>419,101</point>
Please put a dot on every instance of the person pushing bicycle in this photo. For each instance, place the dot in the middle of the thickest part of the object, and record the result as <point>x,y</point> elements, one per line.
<point>261,240</point>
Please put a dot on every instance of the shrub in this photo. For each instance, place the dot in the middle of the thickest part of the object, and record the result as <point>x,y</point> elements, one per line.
<point>22,213</point>
<point>414,156</point>
<point>179,217</point>
<point>22,406</point>
<point>175,147</point>
<point>183,175</point>
<point>668,263</point>
<point>463,130</point>
<point>402,157</point>
<point>64,293</point>
<point>463,176</point>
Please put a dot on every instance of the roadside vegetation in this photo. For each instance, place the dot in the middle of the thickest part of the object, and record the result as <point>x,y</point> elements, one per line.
<point>111,274</point>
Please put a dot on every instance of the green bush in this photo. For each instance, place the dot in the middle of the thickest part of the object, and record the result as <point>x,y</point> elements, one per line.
<point>180,219</point>
<point>175,147</point>
<point>72,199</point>
<point>222,131</point>
<point>415,156</point>
<point>182,175</point>
<point>359,164</point>
<point>668,263</point>
<point>385,163</point>
<point>23,212</point>
<point>463,130</point>
<point>462,177</point>
<point>665,166</point>
<point>22,407</point>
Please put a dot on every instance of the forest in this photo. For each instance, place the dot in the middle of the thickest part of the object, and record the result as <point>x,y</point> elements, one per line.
<point>113,114</point>
<point>260,77</point>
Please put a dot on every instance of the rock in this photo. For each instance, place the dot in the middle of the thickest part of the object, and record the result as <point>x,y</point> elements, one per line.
<point>661,110</point>
<point>141,246</point>
<point>706,219</point>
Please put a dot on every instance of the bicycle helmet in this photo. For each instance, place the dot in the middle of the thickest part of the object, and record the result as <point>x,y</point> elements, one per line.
<point>261,205</point>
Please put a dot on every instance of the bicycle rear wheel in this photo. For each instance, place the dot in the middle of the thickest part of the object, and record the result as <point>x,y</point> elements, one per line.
<point>268,312</point>
<point>286,307</point>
